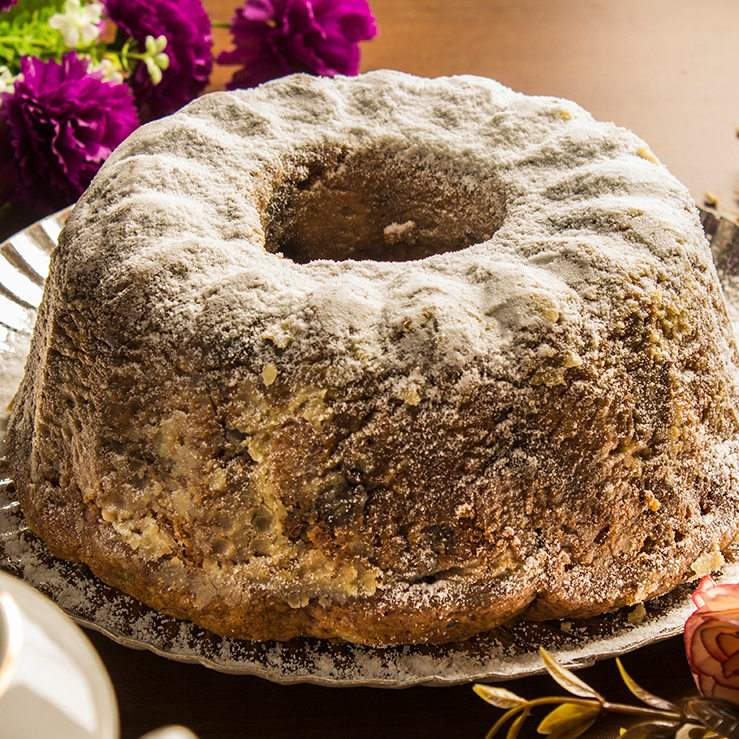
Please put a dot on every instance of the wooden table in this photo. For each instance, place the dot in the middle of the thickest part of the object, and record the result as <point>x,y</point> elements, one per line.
<point>669,70</point>
<point>153,691</point>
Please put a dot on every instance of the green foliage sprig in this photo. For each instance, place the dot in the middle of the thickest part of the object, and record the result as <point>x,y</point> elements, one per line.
<point>572,717</point>
<point>25,31</point>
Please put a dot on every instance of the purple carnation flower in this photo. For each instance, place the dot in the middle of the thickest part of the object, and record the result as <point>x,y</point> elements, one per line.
<point>276,37</point>
<point>60,124</point>
<point>186,26</point>
<point>5,5</point>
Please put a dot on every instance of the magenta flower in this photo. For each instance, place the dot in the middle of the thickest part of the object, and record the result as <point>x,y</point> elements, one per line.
<point>59,125</point>
<point>5,4</point>
<point>186,26</point>
<point>276,37</point>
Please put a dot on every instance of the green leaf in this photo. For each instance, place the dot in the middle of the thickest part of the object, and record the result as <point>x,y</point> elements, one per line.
<point>699,732</point>
<point>644,695</point>
<point>505,718</point>
<point>652,730</point>
<point>569,720</point>
<point>498,697</point>
<point>718,715</point>
<point>26,32</point>
<point>567,679</point>
<point>515,726</point>
<point>30,6</point>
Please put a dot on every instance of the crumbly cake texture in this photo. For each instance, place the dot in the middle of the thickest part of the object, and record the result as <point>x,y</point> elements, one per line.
<point>384,359</point>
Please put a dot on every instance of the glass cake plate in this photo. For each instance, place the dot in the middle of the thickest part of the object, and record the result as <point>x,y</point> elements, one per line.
<point>508,652</point>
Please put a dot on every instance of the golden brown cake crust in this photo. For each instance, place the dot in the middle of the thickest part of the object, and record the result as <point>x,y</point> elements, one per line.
<point>267,394</point>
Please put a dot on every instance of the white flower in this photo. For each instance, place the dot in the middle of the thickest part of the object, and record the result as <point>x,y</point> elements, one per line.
<point>6,79</point>
<point>110,70</point>
<point>155,58</point>
<point>78,23</point>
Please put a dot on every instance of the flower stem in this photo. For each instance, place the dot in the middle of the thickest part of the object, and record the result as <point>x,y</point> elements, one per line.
<point>641,711</point>
<point>607,706</point>
<point>524,710</point>
<point>29,41</point>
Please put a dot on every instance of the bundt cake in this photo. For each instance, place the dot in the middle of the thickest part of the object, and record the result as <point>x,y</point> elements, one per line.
<point>382,359</point>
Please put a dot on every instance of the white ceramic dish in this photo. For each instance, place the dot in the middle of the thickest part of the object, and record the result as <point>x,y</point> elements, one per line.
<point>506,653</point>
<point>52,682</point>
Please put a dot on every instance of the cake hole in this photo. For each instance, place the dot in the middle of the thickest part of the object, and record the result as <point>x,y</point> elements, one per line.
<point>370,205</point>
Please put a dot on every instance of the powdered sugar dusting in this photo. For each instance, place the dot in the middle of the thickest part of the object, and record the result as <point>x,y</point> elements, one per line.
<point>465,278</point>
<point>524,160</point>
<point>509,654</point>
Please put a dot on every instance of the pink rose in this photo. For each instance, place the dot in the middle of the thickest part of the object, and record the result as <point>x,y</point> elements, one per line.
<point>712,640</point>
